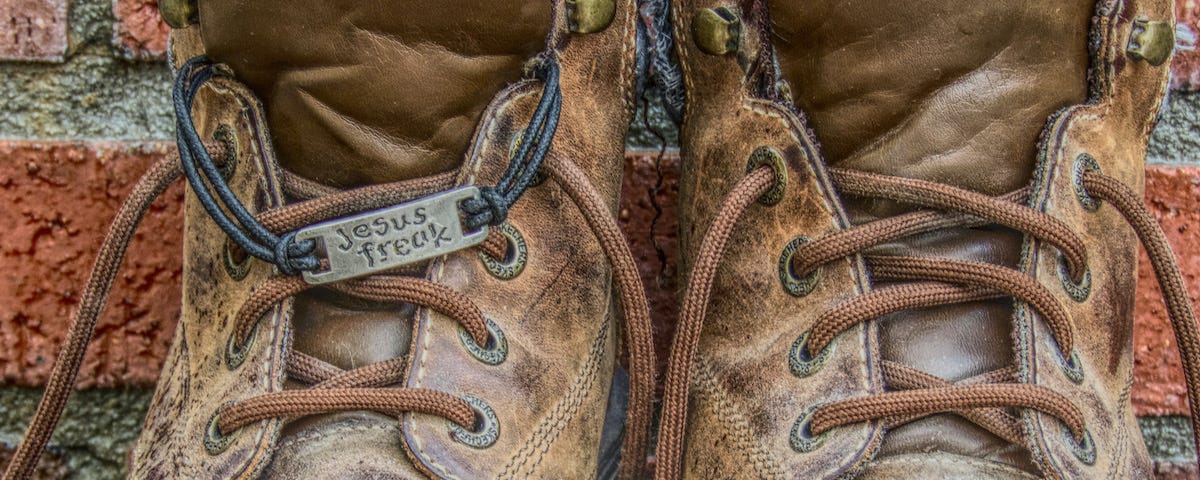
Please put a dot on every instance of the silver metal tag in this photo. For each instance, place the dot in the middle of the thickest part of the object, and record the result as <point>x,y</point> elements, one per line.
<point>387,238</point>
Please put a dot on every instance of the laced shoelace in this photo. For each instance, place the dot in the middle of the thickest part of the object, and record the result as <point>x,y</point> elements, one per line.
<point>927,282</point>
<point>372,387</point>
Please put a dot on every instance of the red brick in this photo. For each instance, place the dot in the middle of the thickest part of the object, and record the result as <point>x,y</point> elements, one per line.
<point>33,30</point>
<point>647,216</point>
<point>58,201</point>
<point>1185,67</point>
<point>141,33</point>
<point>1174,196</point>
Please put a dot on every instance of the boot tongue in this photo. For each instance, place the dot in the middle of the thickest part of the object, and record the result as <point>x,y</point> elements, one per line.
<point>360,92</point>
<point>936,91</point>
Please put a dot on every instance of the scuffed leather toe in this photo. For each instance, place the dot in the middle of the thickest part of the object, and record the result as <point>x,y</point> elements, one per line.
<point>940,466</point>
<point>362,446</point>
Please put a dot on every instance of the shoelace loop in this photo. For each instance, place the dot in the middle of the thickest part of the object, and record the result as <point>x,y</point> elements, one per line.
<point>926,282</point>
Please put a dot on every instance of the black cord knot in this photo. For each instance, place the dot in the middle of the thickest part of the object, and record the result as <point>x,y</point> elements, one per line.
<point>291,258</point>
<point>490,208</point>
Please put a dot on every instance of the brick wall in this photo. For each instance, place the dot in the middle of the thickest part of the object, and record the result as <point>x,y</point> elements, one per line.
<point>84,108</point>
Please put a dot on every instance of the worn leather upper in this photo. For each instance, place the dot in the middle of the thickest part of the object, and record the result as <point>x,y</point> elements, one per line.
<point>935,91</point>
<point>744,398</point>
<point>550,393</point>
<point>361,92</point>
<point>196,380</point>
<point>967,96</point>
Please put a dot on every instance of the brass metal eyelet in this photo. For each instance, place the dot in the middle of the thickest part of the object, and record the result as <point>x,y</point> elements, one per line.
<point>802,363</point>
<point>802,439</point>
<point>772,158</point>
<point>1084,163</point>
<point>214,442</point>
<point>794,285</point>
<point>1085,451</point>
<point>717,31</point>
<point>1078,291</point>
<point>1071,366</point>
<point>179,13</point>
<point>516,257</point>
<point>1152,41</point>
<point>235,355</point>
<point>590,16</point>
<point>236,260</point>
<point>486,430</point>
<point>492,353</point>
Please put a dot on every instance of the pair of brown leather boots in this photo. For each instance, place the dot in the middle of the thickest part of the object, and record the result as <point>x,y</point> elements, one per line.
<point>410,275</point>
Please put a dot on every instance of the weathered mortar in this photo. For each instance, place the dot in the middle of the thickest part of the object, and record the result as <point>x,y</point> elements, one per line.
<point>1176,139</point>
<point>95,434</point>
<point>93,95</point>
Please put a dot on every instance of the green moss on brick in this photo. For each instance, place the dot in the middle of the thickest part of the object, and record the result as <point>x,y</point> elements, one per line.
<point>93,95</point>
<point>90,28</point>
<point>95,434</point>
<point>1169,438</point>
<point>89,97</point>
<point>1176,139</point>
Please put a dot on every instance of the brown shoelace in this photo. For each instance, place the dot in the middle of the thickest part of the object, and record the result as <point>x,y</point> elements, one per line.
<point>927,282</point>
<point>371,387</point>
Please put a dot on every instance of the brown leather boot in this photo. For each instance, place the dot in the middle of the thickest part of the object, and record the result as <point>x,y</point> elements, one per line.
<point>411,273</point>
<point>943,288</point>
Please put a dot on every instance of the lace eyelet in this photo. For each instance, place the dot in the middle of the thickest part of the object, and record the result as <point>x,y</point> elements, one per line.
<point>235,355</point>
<point>237,261</point>
<point>798,287</point>
<point>515,259</point>
<point>1078,291</point>
<point>227,164</point>
<point>496,349</point>
<point>1084,451</point>
<point>802,439</point>
<point>1071,367</point>
<point>214,442</point>
<point>1084,163</point>
<point>800,360</point>
<point>771,157</point>
<point>486,430</point>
